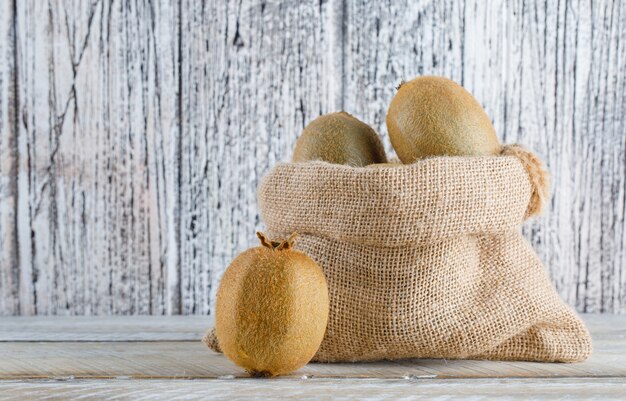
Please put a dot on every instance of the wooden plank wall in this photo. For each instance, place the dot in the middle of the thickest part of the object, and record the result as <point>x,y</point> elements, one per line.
<point>97,136</point>
<point>9,274</point>
<point>133,133</point>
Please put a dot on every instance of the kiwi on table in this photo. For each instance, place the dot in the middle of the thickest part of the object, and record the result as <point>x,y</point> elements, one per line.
<point>339,138</point>
<point>433,116</point>
<point>272,308</point>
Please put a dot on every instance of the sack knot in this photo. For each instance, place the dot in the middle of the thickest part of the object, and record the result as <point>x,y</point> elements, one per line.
<point>538,175</point>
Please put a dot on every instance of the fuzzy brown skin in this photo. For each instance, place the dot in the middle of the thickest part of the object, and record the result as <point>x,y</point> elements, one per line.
<point>339,138</point>
<point>434,116</point>
<point>272,309</point>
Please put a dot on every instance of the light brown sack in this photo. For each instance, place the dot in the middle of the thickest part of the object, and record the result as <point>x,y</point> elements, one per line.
<point>426,260</point>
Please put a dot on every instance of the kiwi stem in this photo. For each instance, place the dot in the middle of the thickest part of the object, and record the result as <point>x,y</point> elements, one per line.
<point>277,245</point>
<point>259,373</point>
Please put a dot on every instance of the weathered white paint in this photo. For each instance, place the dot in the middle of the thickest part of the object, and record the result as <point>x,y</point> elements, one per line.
<point>151,347</point>
<point>133,134</point>
<point>542,389</point>
<point>143,357</point>
<point>98,176</point>
<point>9,275</point>
<point>109,328</point>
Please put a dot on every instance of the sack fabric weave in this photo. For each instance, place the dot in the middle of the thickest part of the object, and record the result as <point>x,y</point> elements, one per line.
<point>426,260</point>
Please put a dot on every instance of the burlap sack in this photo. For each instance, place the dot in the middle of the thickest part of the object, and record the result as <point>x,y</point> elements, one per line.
<point>426,260</point>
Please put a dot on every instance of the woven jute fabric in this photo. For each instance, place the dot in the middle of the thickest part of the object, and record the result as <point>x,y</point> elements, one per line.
<point>426,260</point>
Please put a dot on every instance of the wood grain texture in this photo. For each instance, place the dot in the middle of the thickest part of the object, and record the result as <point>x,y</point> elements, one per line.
<point>97,142</point>
<point>103,328</point>
<point>319,389</point>
<point>133,134</point>
<point>9,274</point>
<point>551,75</point>
<point>160,347</point>
<point>252,75</point>
<point>53,365</point>
<point>191,359</point>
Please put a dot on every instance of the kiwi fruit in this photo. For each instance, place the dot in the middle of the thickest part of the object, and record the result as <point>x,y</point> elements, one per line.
<point>339,138</point>
<point>435,116</point>
<point>272,309</point>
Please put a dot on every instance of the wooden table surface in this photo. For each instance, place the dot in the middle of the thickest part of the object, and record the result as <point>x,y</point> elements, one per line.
<point>153,357</point>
